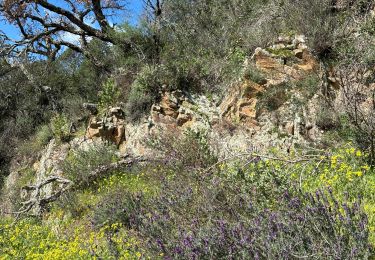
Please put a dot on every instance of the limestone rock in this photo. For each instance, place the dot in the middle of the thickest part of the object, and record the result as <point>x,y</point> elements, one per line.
<point>288,58</point>
<point>183,119</point>
<point>111,127</point>
<point>169,105</point>
<point>240,104</point>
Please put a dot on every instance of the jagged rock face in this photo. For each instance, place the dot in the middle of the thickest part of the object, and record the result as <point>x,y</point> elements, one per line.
<point>235,124</point>
<point>236,121</point>
<point>288,60</point>
<point>111,127</point>
<point>240,104</point>
<point>181,110</point>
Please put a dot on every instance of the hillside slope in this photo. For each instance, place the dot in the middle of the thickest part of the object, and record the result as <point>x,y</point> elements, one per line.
<point>251,174</point>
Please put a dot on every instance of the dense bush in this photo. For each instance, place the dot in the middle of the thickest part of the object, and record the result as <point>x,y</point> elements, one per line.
<point>33,146</point>
<point>144,91</point>
<point>118,206</point>
<point>254,74</point>
<point>208,42</point>
<point>327,119</point>
<point>60,127</point>
<point>274,97</point>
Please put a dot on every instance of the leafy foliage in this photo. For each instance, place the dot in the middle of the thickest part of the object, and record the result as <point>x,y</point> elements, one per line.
<point>109,95</point>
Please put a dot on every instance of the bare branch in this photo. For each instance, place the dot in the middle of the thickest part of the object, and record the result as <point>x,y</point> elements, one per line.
<point>38,203</point>
<point>42,24</point>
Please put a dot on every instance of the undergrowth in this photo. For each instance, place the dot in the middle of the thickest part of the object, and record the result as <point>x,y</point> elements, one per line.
<point>252,207</point>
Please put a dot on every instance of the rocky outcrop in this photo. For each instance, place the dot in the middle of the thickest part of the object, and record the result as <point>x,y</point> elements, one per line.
<point>236,121</point>
<point>176,112</point>
<point>183,110</point>
<point>288,59</point>
<point>110,127</point>
<point>240,105</point>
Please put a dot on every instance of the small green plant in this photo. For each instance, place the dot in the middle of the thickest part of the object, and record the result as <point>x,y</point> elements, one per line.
<point>109,95</point>
<point>191,149</point>
<point>60,127</point>
<point>327,119</point>
<point>282,53</point>
<point>145,91</point>
<point>308,86</point>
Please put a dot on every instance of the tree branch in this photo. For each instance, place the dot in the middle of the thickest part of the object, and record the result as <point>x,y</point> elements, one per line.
<point>39,203</point>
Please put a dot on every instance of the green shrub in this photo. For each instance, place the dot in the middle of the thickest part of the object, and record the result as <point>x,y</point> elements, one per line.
<point>207,43</point>
<point>118,206</point>
<point>192,149</point>
<point>80,163</point>
<point>327,119</point>
<point>145,91</point>
<point>109,95</point>
<point>281,53</point>
<point>308,86</point>
<point>60,127</point>
<point>312,18</point>
<point>274,97</point>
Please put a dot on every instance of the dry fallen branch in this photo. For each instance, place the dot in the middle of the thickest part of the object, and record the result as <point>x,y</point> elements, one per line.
<point>38,203</point>
<point>127,162</point>
<point>252,157</point>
